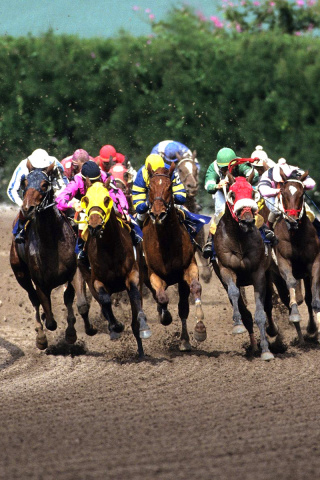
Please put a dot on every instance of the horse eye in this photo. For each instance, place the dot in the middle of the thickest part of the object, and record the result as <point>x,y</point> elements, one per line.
<point>44,186</point>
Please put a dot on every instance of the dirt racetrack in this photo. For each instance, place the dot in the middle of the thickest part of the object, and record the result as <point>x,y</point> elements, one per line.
<point>92,411</point>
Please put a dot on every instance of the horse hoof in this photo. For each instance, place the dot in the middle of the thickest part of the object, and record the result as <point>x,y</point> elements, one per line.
<point>295,318</point>
<point>145,333</point>
<point>71,336</point>
<point>118,327</point>
<point>200,332</point>
<point>115,335</point>
<point>238,329</point>
<point>185,346</point>
<point>52,326</point>
<point>42,342</point>
<point>166,318</point>
<point>91,331</point>
<point>266,356</point>
<point>272,332</point>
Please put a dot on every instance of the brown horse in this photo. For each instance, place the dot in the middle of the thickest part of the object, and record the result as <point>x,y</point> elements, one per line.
<point>47,258</point>
<point>113,260</point>
<point>189,175</point>
<point>298,251</point>
<point>169,256</point>
<point>243,259</point>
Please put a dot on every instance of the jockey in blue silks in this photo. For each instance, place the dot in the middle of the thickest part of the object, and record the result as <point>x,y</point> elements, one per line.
<point>168,150</point>
<point>193,222</point>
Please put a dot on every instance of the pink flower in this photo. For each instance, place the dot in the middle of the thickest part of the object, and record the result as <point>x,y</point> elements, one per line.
<point>92,55</point>
<point>147,10</point>
<point>201,16</point>
<point>256,3</point>
<point>148,42</point>
<point>152,16</point>
<point>311,3</point>
<point>300,3</point>
<point>217,22</point>
<point>135,8</point>
<point>238,27</point>
<point>298,34</point>
<point>243,3</point>
<point>272,4</point>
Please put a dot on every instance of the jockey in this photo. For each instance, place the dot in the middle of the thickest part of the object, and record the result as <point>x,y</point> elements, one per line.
<point>107,153</point>
<point>269,186</point>
<point>216,184</point>
<point>261,160</point>
<point>168,150</point>
<point>140,187</point>
<point>38,159</point>
<point>72,164</point>
<point>193,222</point>
<point>76,189</point>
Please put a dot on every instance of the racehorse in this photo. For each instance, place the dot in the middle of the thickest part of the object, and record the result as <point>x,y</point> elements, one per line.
<point>169,256</point>
<point>298,251</point>
<point>113,260</point>
<point>243,259</point>
<point>47,258</point>
<point>189,175</point>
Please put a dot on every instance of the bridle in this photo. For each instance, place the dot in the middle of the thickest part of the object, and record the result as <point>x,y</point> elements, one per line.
<point>288,212</point>
<point>166,204</point>
<point>34,182</point>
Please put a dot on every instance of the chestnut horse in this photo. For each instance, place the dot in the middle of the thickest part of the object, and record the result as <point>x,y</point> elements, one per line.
<point>113,260</point>
<point>169,256</point>
<point>298,251</point>
<point>47,258</point>
<point>189,175</point>
<point>243,259</point>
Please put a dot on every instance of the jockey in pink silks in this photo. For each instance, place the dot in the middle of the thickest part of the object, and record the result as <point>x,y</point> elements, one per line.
<point>71,195</point>
<point>269,186</point>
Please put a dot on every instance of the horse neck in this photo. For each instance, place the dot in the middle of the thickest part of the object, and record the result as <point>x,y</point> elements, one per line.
<point>169,228</point>
<point>111,234</point>
<point>191,204</point>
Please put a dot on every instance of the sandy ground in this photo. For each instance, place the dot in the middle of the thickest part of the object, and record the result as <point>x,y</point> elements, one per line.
<point>92,411</point>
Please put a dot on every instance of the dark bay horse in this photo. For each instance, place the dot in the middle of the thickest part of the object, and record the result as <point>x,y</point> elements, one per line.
<point>170,257</point>
<point>298,251</point>
<point>46,260</point>
<point>113,260</point>
<point>189,175</point>
<point>243,259</point>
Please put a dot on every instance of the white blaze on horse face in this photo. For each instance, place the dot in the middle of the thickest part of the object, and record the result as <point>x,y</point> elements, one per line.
<point>160,181</point>
<point>292,189</point>
<point>188,165</point>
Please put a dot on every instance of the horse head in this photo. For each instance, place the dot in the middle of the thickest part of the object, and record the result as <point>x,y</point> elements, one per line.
<point>37,190</point>
<point>160,193</point>
<point>291,201</point>
<point>242,201</point>
<point>188,173</point>
<point>98,205</point>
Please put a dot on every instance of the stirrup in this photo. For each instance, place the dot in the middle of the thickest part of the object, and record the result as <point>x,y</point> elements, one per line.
<point>207,250</point>
<point>19,238</point>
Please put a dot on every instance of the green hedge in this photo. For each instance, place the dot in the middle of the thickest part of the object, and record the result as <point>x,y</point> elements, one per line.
<point>61,93</point>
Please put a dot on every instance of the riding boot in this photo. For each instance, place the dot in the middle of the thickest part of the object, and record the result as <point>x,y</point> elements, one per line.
<point>269,234</point>
<point>19,231</point>
<point>208,250</point>
<point>81,253</point>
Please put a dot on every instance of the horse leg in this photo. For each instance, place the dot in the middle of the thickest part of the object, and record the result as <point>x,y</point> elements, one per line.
<point>259,285</point>
<point>191,276</point>
<point>68,297</point>
<point>83,305</point>
<point>312,327</point>
<point>229,279</point>
<point>47,315</point>
<point>161,297</point>
<point>139,325</point>
<point>104,298</point>
<point>272,328</point>
<point>183,310</point>
<point>247,325</point>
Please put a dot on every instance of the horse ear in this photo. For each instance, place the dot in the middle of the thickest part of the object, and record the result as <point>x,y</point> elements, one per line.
<point>251,176</point>
<point>29,166</point>
<point>171,169</point>
<point>88,182</point>
<point>283,175</point>
<point>50,168</point>
<point>230,178</point>
<point>106,201</point>
<point>150,171</point>
<point>304,176</point>
<point>194,154</point>
<point>107,182</point>
<point>85,200</point>
<point>179,157</point>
